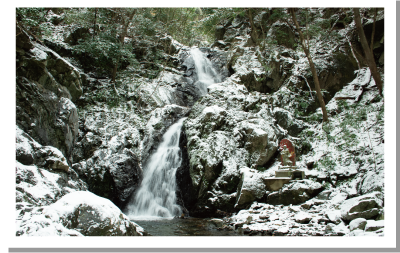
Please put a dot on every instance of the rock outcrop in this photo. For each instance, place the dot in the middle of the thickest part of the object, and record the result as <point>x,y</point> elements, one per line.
<point>46,87</point>
<point>80,213</point>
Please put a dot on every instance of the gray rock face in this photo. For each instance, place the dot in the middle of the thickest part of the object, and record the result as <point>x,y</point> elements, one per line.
<point>49,119</point>
<point>224,133</point>
<point>160,120</point>
<point>42,173</point>
<point>365,206</point>
<point>295,193</point>
<point>114,175</point>
<point>46,84</point>
<point>283,34</point>
<point>44,66</point>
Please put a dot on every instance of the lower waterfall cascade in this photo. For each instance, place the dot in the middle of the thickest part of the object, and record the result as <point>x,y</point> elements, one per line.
<point>156,195</point>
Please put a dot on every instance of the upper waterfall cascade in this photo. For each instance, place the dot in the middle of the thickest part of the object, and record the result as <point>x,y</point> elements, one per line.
<point>206,74</point>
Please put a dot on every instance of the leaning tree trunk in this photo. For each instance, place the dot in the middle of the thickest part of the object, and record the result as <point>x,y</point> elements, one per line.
<point>312,67</point>
<point>368,53</point>
<point>253,33</point>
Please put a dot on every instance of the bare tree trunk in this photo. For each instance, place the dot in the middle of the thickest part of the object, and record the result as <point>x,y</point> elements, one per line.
<point>367,51</point>
<point>94,23</point>
<point>312,67</point>
<point>373,32</point>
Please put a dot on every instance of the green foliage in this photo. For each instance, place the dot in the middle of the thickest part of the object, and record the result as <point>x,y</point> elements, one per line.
<point>261,169</point>
<point>158,126</point>
<point>33,20</point>
<point>113,100</point>
<point>278,14</point>
<point>212,17</point>
<point>326,163</point>
<point>107,51</point>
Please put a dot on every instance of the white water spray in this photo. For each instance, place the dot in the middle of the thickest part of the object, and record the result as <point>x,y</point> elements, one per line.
<point>156,195</point>
<point>206,74</point>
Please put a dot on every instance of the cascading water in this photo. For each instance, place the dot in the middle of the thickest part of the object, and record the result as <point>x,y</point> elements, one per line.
<point>206,74</point>
<point>156,195</point>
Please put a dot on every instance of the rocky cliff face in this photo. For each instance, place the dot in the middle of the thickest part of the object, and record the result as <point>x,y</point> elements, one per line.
<point>233,132</point>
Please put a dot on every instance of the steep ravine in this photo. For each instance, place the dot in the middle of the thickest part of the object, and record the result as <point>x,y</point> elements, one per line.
<point>82,141</point>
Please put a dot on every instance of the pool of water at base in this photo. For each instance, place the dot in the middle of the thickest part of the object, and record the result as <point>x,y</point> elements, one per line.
<point>183,227</point>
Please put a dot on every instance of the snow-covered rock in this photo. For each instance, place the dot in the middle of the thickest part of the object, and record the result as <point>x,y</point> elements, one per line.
<point>223,135</point>
<point>340,229</point>
<point>295,192</point>
<point>80,213</point>
<point>42,173</point>
<point>358,223</point>
<point>372,225</point>
<point>302,217</point>
<point>47,116</point>
<point>365,206</point>
<point>250,188</point>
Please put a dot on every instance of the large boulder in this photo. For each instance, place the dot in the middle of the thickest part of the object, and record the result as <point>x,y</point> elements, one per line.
<point>259,138</point>
<point>113,175</point>
<point>358,223</point>
<point>366,206</point>
<point>372,181</point>
<point>296,192</point>
<point>80,213</point>
<point>251,188</point>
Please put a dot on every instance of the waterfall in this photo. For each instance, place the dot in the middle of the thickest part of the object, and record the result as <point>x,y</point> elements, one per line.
<point>156,195</point>
<point>206,74</point>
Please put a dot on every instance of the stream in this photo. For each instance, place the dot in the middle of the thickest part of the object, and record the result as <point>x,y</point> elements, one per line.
<point>183,227</point>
